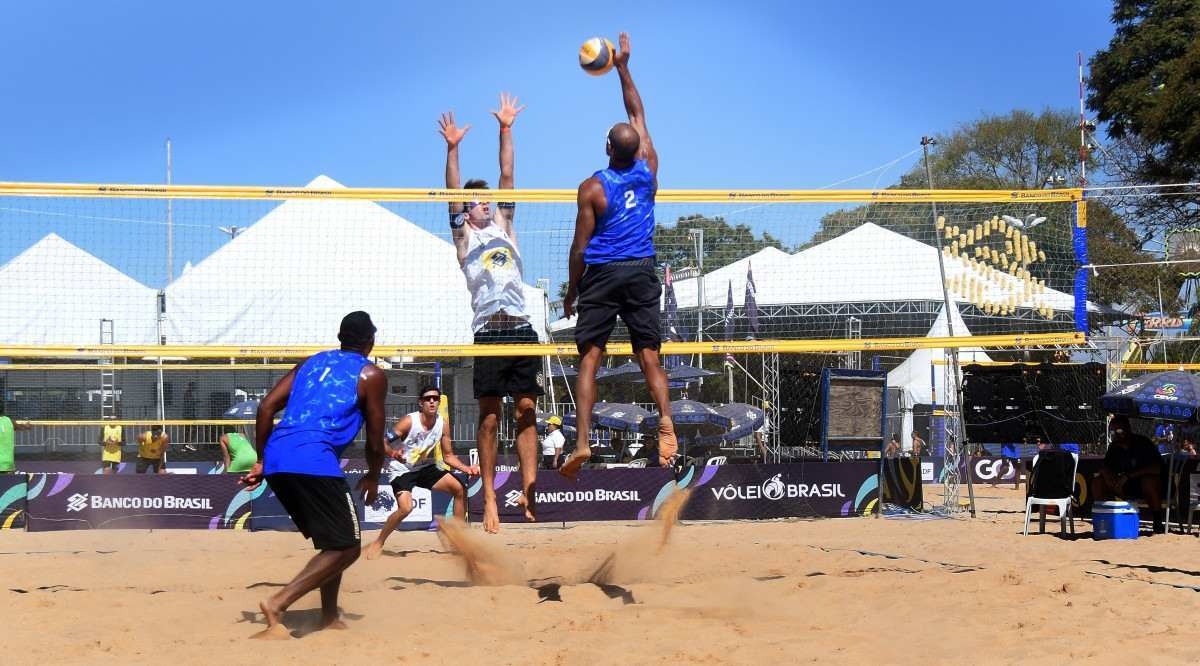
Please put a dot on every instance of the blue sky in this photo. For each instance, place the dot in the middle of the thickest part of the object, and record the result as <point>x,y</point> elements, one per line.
<point>756,94</point>
<point>738,95</point>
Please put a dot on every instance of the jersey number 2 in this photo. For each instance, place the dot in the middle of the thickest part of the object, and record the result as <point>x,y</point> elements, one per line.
<point>630,199</point>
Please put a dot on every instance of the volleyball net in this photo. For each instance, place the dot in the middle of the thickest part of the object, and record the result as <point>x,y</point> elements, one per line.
<point>107,288</point>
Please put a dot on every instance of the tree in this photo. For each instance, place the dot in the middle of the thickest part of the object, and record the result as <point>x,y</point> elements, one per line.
<point>1146,87</point>
<point>723,244</point>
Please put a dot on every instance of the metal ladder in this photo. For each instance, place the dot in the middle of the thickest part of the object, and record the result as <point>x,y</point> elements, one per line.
<point>854,332</point>
<point>108,394</point>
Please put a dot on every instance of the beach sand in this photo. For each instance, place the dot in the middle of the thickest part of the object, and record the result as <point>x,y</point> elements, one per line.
<point>793,591</point>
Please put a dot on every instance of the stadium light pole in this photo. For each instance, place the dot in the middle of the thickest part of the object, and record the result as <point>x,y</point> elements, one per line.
<point>951,455</point>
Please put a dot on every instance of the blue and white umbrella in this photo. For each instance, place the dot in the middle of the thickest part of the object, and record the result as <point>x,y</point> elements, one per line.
<point>746,419</point>
<point>614,416</point>
<point>246,409</point>
<point>692,420</point>
<point>1170,396</point>
<point>626,372</point>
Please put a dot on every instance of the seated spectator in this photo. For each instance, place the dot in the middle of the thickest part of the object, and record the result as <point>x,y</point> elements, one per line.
<point>1132,468</point>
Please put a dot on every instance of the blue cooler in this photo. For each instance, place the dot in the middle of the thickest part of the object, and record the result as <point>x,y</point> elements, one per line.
<point>1114,520</point>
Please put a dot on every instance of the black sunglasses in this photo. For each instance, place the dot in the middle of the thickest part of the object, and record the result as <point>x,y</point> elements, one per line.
<point>429,397</point>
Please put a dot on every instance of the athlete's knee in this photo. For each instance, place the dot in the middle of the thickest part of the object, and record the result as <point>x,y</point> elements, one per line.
<point>404,502</point>
<point>349,555</point>
<point>488,422</point>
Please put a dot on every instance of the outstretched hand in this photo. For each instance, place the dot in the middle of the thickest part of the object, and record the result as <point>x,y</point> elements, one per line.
<point>252,478</point>
<point>622,57</point>
<point>507,114</point>
<point>452,133</point>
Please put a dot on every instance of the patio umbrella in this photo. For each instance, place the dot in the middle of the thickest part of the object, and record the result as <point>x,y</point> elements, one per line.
<point>746,419</point>
<point>628,371</point>
<point>692,420</point>
<point>246,409</point>
<point>614,416</point>
<point>562,371</point>
<point>1171,396</point>
<point>682,373</point>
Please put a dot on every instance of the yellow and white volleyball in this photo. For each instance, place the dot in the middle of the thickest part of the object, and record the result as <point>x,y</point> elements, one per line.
<point>597,55</point>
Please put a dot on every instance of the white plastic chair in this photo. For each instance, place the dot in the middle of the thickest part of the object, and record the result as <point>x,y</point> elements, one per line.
<point>1063,503</point>
<point>716,460</point>
<point>637,462</point>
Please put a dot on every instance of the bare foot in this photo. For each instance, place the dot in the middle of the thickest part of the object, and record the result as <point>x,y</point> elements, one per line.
<point>491,516</point>
<point>570,469</point>
<point>335,623</point>
<point>275,630</point>
<point>668,445</point>
<point>527,502</point>
<point>373,550</point>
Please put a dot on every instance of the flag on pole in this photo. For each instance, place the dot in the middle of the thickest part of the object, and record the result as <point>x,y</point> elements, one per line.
<point>751,303</point>
<point>671,308</point>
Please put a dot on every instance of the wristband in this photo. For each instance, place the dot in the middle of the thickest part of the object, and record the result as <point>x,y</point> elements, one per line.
<point>391,436</point>
<point>506,128</point>
<point>457,220</point>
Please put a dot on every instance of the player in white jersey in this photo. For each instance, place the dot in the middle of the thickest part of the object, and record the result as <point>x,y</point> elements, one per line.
<point>486,241</point>
<point>412,463</point>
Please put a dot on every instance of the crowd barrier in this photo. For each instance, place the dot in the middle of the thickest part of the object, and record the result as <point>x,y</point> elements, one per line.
<point>62,500</point>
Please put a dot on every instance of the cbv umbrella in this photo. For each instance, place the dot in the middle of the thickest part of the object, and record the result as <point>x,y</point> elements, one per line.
<point>692,419</point>
<point>613,415</point>
<point>1171,396</point>
<point>246,409</point>
<point>746,419</point>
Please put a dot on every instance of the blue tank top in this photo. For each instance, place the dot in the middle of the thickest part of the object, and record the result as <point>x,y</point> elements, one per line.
<point>626,231</point>
<point>321,419</point>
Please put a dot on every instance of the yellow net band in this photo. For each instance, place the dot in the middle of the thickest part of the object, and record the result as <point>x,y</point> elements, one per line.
<point>615,348</point>
<point>16,189</point>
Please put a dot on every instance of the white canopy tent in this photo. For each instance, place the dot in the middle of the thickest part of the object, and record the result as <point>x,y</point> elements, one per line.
<point>56,294</point>
<point>291,276</point>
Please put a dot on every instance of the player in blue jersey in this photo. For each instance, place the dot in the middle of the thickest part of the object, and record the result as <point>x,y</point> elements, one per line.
<point>327,397</point>
<point>612,269</point>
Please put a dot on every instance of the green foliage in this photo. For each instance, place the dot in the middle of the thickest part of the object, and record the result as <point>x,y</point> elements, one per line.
<point>723,244</point>
<point>1146,86</point>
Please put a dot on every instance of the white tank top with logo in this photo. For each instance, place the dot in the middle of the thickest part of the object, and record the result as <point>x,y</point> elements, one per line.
<point>418,448</point>
<point>493,271</point>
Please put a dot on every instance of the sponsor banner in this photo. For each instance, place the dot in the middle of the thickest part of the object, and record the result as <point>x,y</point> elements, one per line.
<point>783,491</point>
<point>13,488</point>
<point>902,482</point>
<point>268,514</point>
<point>155,501</point>
<point>990,469</point>
<point>599,494</point>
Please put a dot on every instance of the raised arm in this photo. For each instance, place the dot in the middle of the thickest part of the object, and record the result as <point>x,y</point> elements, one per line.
<point>590,191</point>
<point>399,432</point>
<point>453,136</point>
<point>633,106</point>
<point>506,116</point>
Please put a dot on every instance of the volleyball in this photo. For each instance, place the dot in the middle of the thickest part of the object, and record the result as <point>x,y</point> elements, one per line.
<point>596,56</point>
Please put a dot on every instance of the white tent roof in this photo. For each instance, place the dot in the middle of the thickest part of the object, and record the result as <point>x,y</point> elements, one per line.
<point>290,278</point>
<point>913,375</point>
<point>56,293</point>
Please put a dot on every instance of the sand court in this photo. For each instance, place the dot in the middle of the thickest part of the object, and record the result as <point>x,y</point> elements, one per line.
<point>791,591</point>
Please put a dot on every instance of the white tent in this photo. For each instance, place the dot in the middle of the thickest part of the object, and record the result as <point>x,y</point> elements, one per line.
<point>914,374</point>
<point>291,276</point>
<point>922,376</point>
<point>56,294</point>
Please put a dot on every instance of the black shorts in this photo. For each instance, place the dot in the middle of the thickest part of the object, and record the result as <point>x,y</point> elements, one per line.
<point>114,466</point>
<point>423,477</point>
<point>145,463</point>
<point>321,507</point>
<point>628,289</point>
<point>498,376</point>
<point>548,461</point>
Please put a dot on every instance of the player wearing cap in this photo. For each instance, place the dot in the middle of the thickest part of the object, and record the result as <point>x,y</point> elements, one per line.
<point>412,448</point>
<point>328,397</point>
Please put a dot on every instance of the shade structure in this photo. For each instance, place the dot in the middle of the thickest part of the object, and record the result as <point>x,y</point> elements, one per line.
<point>613,415</point>
<point>1172,396</point>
